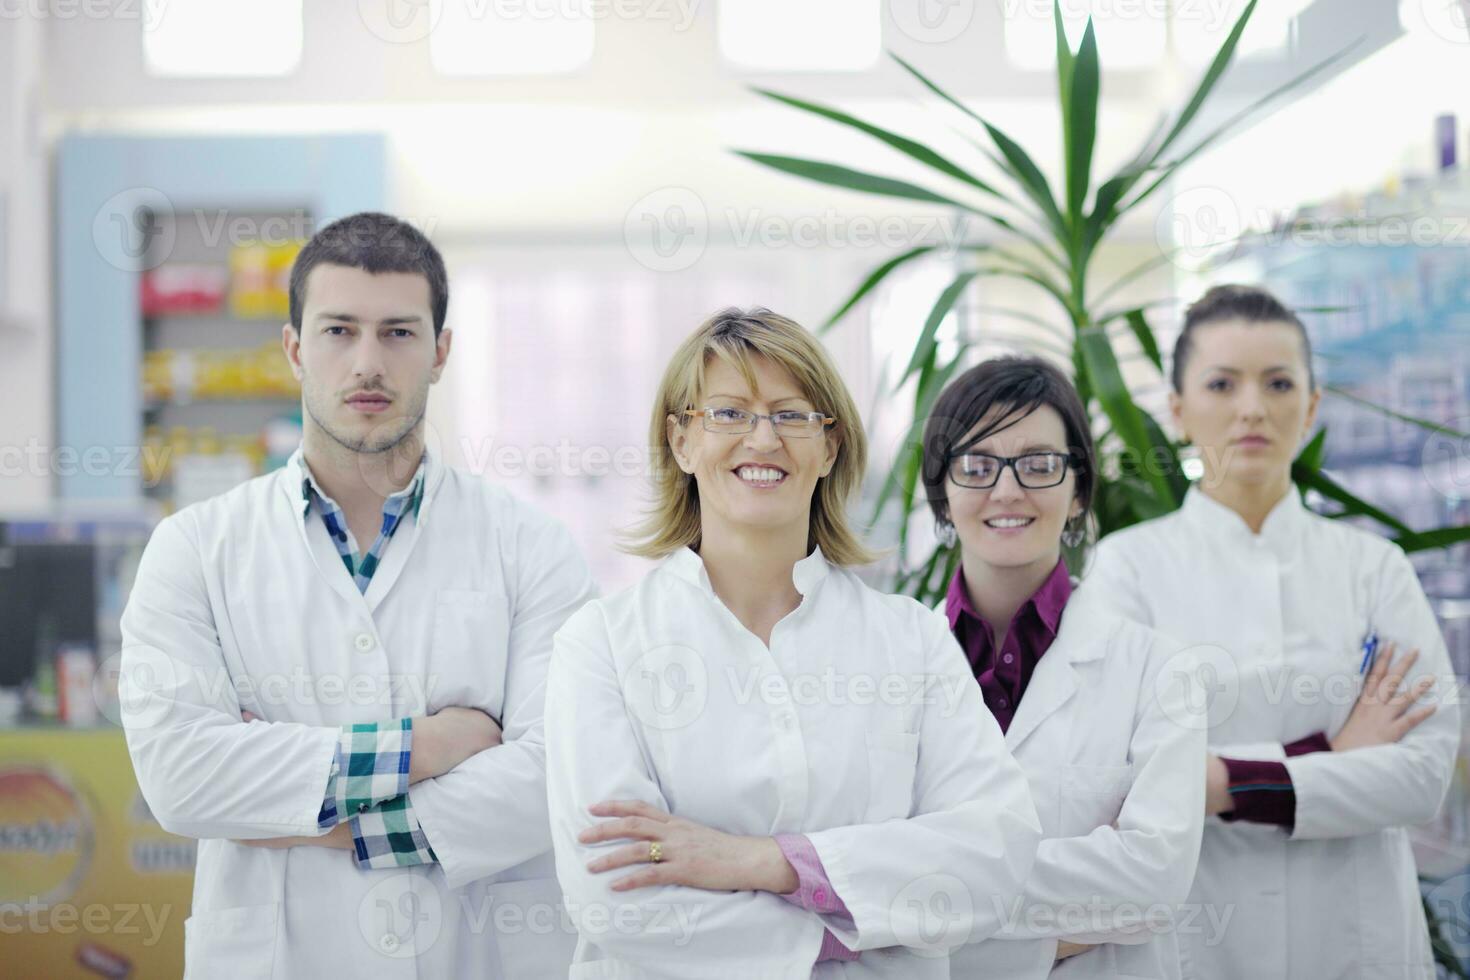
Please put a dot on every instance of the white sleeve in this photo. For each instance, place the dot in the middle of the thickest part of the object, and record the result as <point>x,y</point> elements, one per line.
<point>951,872</point>
<point>1343,794</point>
<point>204,772</point>
<point>489,812</point>
<point>1108,880</point>
<point>673,932</point>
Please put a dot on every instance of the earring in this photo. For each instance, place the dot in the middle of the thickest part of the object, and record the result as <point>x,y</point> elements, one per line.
<point>945,532</point>
<point>1072,534</point>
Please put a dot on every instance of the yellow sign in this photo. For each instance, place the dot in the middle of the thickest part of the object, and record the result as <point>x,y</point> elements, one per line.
<point>90,885</point>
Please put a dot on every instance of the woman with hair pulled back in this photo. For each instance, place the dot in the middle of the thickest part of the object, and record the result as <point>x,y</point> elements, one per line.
<point>1332,728</point>
<point>757,765</point>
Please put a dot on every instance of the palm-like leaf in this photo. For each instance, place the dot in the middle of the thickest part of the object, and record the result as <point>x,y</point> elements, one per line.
<point>1141,475</point>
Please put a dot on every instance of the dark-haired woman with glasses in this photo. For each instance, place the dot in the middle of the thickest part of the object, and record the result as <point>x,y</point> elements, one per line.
<point>1113,750</point>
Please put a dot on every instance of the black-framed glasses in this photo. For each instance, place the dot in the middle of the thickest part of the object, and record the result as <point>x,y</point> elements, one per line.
<point>737,421</point>
<point>1034,471</point>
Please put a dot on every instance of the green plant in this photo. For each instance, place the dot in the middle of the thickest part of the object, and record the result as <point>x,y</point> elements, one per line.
<point>1444,950</point>
<point>1048,240</point>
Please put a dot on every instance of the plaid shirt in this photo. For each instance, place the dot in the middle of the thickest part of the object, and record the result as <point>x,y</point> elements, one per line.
<point>369,781</point>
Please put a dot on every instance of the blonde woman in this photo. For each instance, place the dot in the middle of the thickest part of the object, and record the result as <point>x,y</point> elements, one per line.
<point>758,766</point>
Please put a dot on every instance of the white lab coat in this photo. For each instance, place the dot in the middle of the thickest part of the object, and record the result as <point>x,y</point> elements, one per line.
<point>240,602</point>
<point>861,727</point>
<point>1115,754</point>
<point>1278,620</point>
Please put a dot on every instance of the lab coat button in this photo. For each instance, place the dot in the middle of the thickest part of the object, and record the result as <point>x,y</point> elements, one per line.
<point>786,721</point>
<point>388,943</point>
<point>364,642</point>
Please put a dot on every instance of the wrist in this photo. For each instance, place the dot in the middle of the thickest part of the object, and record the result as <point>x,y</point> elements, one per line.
<point>1217,786</point>
<point>776,875</point>
<point>421,755</point>
<point>341,837</point>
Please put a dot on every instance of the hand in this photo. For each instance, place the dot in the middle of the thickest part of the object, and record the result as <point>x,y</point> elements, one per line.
<point>1382,714</point>
<point>338,838</point>
<point>1217,787</point>
<point>693,855</point>
<point>448,737</point>
<point>1066,949</point>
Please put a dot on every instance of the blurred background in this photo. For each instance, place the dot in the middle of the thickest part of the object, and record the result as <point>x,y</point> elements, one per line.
<point>161,161</point>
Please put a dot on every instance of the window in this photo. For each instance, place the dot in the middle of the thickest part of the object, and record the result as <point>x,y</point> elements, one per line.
<point>813,35</point>
<point>1270,30</point>
<point>223,38</point>
<point>1131,36</point>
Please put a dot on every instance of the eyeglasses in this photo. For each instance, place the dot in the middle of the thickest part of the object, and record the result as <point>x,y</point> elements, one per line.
<point>737,421</point>
<point>1034,471</point>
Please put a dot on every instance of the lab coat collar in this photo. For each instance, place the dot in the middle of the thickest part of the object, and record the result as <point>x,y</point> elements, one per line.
<point>330,565</point>
<point>806,574</point>
<point>1279,532</point>
<point>1048,600</point>
<point>1081,638</point>
<point>296,470</point>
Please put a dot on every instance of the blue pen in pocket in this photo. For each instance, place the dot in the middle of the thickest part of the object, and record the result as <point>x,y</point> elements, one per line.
<point>1370,650</point>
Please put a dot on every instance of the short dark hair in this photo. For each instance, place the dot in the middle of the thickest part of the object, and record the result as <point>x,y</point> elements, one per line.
<point>1015,385</point>
<point>1234,301</point>
<point>375,243</point>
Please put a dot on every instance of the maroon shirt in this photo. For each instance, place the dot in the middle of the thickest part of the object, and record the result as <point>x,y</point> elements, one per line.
<point>1004,674</point>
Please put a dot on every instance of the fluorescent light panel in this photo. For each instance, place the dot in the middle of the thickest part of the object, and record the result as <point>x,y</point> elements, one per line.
<point>223,39</point>
<point>810,35</point>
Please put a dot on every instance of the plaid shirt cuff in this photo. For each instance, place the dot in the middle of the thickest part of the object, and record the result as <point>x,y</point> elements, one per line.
<point>389,836</point>
<point>370,767</point>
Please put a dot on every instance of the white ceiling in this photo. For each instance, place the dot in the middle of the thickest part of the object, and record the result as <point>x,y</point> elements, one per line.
<point>656,108</point>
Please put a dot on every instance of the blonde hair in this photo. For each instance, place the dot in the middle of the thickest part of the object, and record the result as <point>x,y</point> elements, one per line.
<point>734,336</point>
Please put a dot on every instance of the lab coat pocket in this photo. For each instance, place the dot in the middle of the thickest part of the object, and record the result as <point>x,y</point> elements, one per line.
<point>893,759</point>
<point>534,936</point>
<point>471,632</point>
<point>1092,797</point>
<point>238,943</point>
